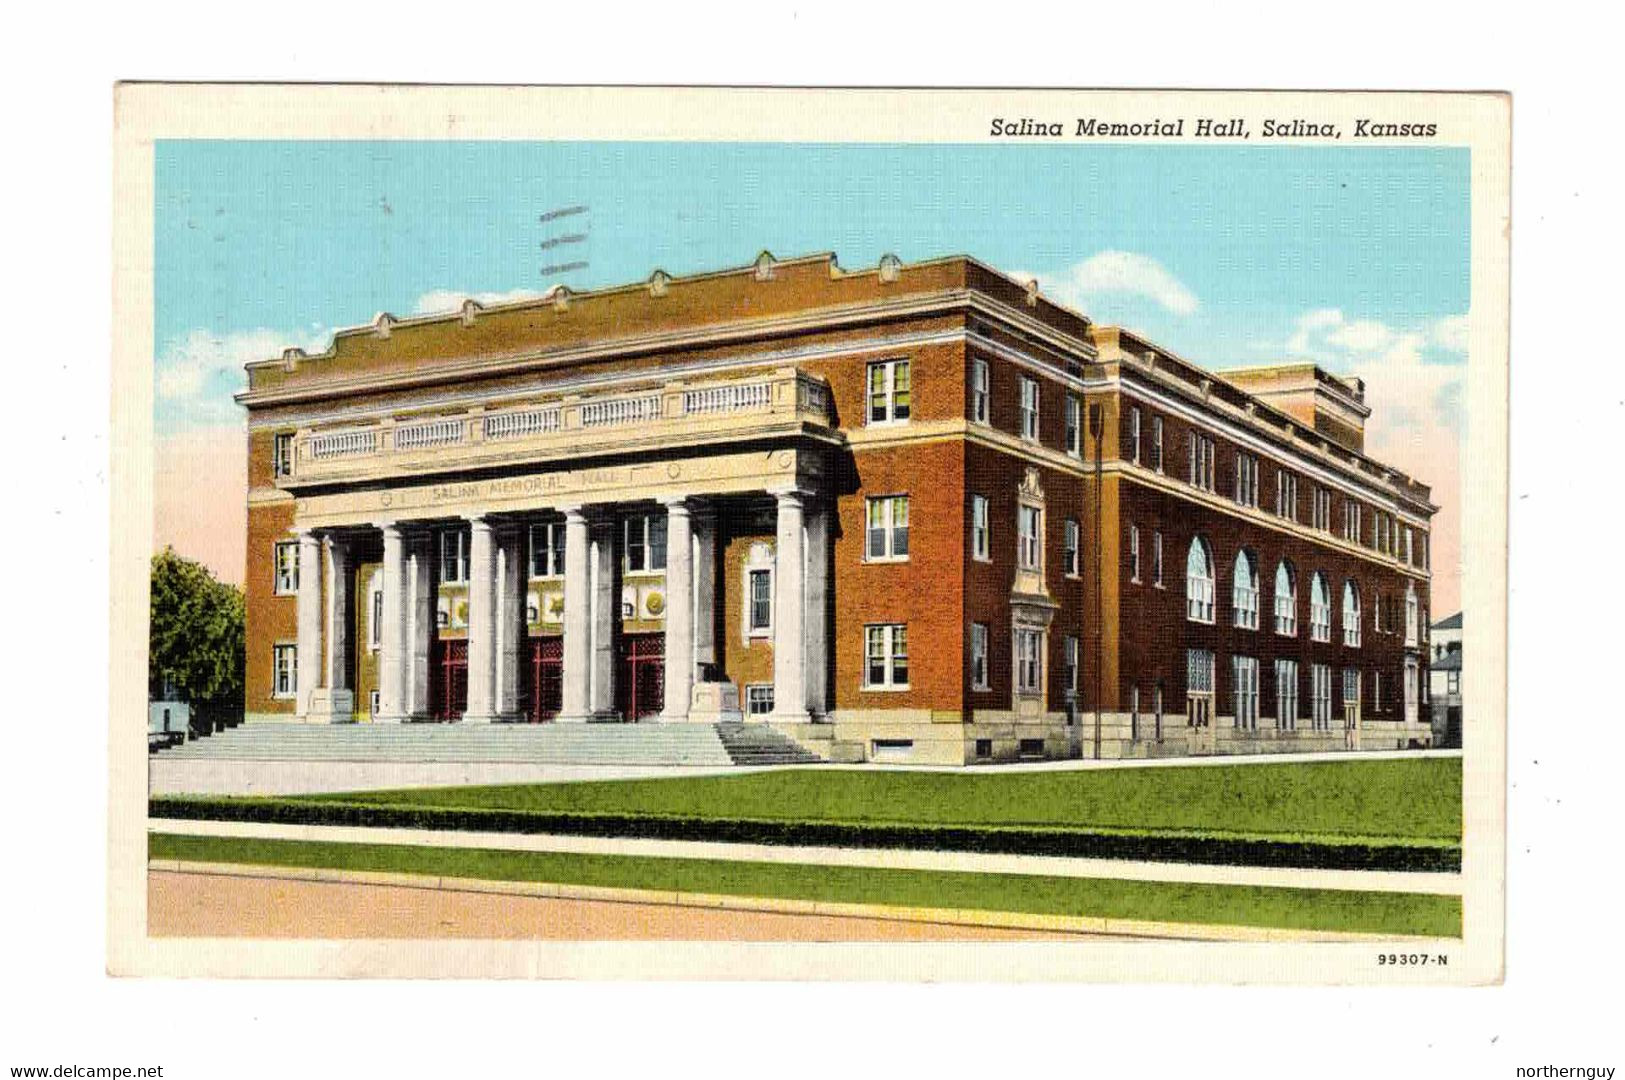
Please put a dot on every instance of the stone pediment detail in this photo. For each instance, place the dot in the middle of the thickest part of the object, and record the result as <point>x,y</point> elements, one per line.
<point>1030,488</point>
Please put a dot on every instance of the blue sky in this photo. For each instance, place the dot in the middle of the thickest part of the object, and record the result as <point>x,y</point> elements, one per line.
<point>1355,257</point>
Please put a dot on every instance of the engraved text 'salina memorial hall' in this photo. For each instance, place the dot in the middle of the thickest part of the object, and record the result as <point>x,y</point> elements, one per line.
<point>915,512</point>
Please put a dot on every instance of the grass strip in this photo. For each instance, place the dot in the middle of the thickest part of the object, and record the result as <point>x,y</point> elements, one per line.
<point>1223,905</point>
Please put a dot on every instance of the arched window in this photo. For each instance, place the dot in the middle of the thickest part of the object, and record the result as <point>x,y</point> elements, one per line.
<point>1413,613</point>
<point>1199,583</point>
<point>1320,608</point>
<point>1244,594</point>
<point>1286,600</point>
<point>1351,614</point>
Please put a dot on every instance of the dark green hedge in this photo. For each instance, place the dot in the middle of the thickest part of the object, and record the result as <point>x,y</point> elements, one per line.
<point>1066,842</point>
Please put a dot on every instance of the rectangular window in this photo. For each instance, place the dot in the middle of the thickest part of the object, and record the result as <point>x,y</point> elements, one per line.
<point>1029,661</point>
<point>1198,671</point>
<point>1070,652</point>
<point>887,530</point>
<point>980,542</point>
<point>886,649</point>
<point>1201,461</point>
<point>453,556</point>
<point>1074,425</point>
<point>1029,409</point>
<point>375,622</point>
<point>1246,479</point>
<point>1286,495</point>
<point>761,601</point>
<point>1134,553</point>
<point>978,656</point>
<point>1156,443</point>
<point>285,558</point>
<point>984,748</point>
<point>1351,520</point>
<point>1286,695</point>
<point>1134,714</point>
<point>1322,510</point>
<point>1245,670</point>
<point>645,542</point>
<point>978,391</point>
<point>1030,530</point>
<point>1156,559</point>
<point>1452,682</point>
<point>1134,434</point>
<point>547,550</point>
<point>890,392</point>
<point>1320,696</point>
<point>282,454</point>
<point>1069,547</point>
<point>759,699</point>
<point>1351,687</point>
<point>284,670</point>
<point>1376,691</point>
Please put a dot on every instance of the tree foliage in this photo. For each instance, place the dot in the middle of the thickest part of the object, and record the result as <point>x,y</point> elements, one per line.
<point>197,634</point>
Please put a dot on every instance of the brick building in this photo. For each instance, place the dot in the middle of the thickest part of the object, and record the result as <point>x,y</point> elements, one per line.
<point>915,512</point>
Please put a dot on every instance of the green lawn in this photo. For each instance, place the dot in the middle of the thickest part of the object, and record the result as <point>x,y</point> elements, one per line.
<point>1232,905</point>
<point>1411,800</point>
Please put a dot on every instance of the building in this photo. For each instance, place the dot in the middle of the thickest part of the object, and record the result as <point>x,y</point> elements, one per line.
<point>1444,678</point>
<point>915,512</point>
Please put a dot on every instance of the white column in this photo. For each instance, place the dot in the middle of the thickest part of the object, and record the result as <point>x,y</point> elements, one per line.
<point>817,589</point>
<point>309,655</point>
<point>418,600</point>
<point>336,564</point>
<point>606,614</point>
<point>393,651</point>
<point>679,677</point>
<point>704,525</point>
<point>482,623</point>
<point>790,611</point>
<point>510,616</point>
<point>577,703</point>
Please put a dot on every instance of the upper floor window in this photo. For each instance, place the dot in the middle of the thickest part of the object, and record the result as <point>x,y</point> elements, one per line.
<point>886,656</point>
<point>1156,443</point>
<point>645,542</point>
<point>978,656</point>
<point>547,549</point>
<point>1244,593</point>
<point>1134,553</point>
<point>1322,510</point>
<point>1201,461</point>
<point>1413,615</point>
<point>1074,425</point>
<point>1246,479</point>
<point>1132,435</point>
<point>978,391</point>
<point>980,545</point>
<point>1029,409</point>
<point>1069,657</point>
<point>888,528</point>
<point>285,560</point>
<point>1069,547</point>
<point>1199,583</point>
<point>759,591</point>
<point>1351,520</point>
<point>1286,600</point>
<point>1286,495</point>
<point>1320,608</point>
<point>282,454</point>
<point>890,392</point>
<point>1029,647</point>
<point>1156,559</point>
<point>454,556</point>
<point>1030,531</point>
<point>1351,614</point>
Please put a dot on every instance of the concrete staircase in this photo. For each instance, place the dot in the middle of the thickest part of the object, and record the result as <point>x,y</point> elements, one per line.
<point>539,744</point>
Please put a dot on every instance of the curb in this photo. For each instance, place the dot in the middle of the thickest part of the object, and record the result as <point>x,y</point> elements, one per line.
<point>1060,924</point>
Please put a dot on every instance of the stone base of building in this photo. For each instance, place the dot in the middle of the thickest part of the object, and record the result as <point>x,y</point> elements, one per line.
<point>330,707</point>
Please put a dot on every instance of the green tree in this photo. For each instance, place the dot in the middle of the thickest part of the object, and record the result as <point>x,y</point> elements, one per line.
<point>196,639</point>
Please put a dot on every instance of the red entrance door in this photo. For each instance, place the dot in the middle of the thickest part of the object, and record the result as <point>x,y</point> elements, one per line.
<point>544,678</point>
<point>640,685</point>
<point>448,679</point>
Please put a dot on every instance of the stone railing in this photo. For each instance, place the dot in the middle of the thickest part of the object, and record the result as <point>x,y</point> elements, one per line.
<point>566,425</point>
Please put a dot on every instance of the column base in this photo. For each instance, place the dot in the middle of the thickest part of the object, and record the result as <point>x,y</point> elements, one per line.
<point>784,717</point>
<point>492,718</point>
<point>330,707</point>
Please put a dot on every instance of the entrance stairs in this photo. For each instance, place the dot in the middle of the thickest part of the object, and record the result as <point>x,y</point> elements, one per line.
<point>540,744</point>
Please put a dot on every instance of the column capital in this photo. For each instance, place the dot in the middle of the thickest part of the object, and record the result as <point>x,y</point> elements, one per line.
<point>678,504</point>
<point>791,494</point>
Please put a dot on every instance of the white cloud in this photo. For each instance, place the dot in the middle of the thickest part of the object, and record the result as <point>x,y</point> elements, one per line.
<point>186,371</point>
<point>1450,333</point>
<point>1118,272</point>
<point>442,301</point>
<point>1309,324</point>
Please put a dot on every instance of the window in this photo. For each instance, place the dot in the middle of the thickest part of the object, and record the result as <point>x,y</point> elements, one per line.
<point>1286,600</point>
<point>759,699</point>
<point>1320,696</point>
<point>761,601</point>
<point>1074,425</point>
<point>1245,670</point>
<point>375,621</point>
<point>984,748</point>
<point>978,391</point>
<point>1156,443</point>
<point>1244,593</point>
<point>1351,614</point>
<point>980,546</point>
<point>1286,695</point>
<point>1246,479</point>
<point>453,556</point>
<point>1286,495</point>
<point>886,647</point>
<point>1452,682</point>
<point>1069,652</point>
<point>1322,513</point>
<point>1320,608</point>
<point>1029,409</point>
<point>1069,547</point>
<point>284,670</point>
<point>1199,583</point>
<point>1351,520</point>
<point>1198,671</point>
<point>1201,461</point>
<point>547,550</point>
<point>1156,559</point>
<point>1134,553</point>
<point>1156,709</point>
<point>1407,550</point>
<point>1134,714</point>
<point>888,529</point>
<point>1376,691</point>
<point>1030,530</point>
<point>645,542</point>
<point>1133,434</point>
<point>285,557</point>
<point>1427,562</point>
<point>1029,660</point>
<point>282,454</point>
<point>890,392</point>
<point>978,656</point>
<point>1351,687</point>
<point>1413,613</point>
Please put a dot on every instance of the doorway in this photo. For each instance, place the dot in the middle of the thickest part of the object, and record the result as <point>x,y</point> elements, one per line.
<point>640,683</point>
<point>543,690</point>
